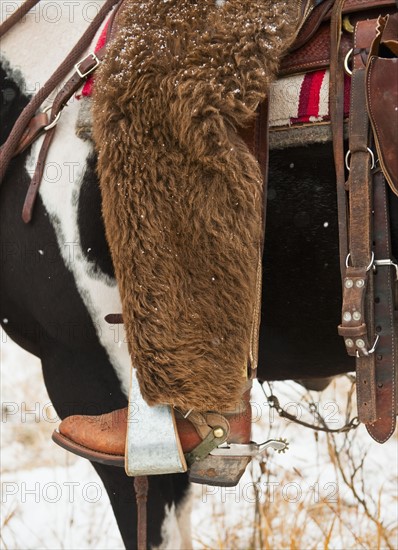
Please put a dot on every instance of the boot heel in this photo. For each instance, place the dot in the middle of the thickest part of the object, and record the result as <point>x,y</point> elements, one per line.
<point>216,470</point>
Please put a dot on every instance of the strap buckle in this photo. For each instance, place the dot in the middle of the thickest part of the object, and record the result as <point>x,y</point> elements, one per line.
<point>387,262</point>
<point>56,119</point>
<point>91,68</point>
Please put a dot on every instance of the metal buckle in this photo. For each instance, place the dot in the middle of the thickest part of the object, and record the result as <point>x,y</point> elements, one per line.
<point>367,352</point>
<point>55,121</point>
<point>346,59</point>
<point>94,58</point>
<point>372,261</point>
<point>388,263</point>
<point>372,158</point>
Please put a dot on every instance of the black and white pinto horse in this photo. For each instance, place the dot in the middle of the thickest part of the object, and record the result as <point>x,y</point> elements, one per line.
<point>55,307</point>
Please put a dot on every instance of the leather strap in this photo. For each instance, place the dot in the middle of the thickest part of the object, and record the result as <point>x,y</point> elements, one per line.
<point>85,68</point>
<point>141,487</point>
<point>385,280</point>
<point>357,326</point>
<point>36,127</point>
<point>7,150</point>
<point>336,94</point>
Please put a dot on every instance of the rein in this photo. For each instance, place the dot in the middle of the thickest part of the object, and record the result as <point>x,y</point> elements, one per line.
<point>17,16</point>
<point>7,150</point>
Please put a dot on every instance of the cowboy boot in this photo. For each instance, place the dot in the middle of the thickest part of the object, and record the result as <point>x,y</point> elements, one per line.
<point>102,438</point>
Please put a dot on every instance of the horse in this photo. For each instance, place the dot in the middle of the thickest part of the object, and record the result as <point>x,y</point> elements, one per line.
<point>58,283</point>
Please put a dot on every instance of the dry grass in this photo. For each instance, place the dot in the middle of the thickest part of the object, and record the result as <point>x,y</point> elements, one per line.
<point>347,483</point>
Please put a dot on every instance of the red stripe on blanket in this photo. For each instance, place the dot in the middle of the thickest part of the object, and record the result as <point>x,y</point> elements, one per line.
<point>309,97</point>
<point>309,101</point>
<point>305,93</point>
<point>313,101</point>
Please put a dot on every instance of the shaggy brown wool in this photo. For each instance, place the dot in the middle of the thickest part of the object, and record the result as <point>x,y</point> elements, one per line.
<point>182,195</point>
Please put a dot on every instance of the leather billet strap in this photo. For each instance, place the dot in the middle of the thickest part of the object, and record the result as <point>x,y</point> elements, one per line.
<point>382,81</point>
<point>357,326</point>
<point>386,325</point>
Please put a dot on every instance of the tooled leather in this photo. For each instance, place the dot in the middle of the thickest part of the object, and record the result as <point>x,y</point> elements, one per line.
<point>315,53</point>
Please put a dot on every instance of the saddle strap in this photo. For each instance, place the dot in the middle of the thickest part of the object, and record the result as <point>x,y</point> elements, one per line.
<point>336,95</point>
<point>385,279</point>
<point>368,325</point>
<point>357,326</point>
<point>382,75</point>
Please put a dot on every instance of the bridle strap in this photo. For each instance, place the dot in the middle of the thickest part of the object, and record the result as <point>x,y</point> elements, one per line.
<point>86,67</point>
<point>17,16</point>
<point>7,150</point>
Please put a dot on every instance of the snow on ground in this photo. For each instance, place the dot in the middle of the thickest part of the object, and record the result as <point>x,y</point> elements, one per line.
<point>51,499</point>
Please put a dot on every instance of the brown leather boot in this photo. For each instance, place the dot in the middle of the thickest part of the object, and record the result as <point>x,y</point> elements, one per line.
<point>102,438</point>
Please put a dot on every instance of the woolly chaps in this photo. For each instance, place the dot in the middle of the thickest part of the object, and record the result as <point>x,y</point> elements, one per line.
<point>181,193</point>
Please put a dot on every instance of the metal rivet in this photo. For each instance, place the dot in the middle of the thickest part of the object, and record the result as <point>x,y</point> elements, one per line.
<point>218,432</point>
<point>348,283</point>
<point>356,315</point>
<point>360,343</point>
<point>349,343</point>
<point>347,316</point>
<point>360,283</point>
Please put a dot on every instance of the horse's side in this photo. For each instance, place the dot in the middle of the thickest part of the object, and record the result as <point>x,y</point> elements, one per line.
<point>56,274</point>
<point>57,277</point>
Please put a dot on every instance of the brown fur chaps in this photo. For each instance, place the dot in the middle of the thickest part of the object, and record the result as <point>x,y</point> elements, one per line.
<point>181,193</point>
